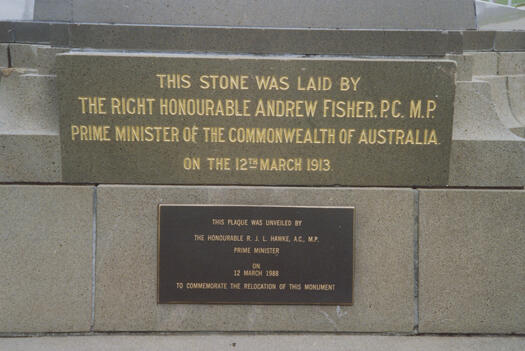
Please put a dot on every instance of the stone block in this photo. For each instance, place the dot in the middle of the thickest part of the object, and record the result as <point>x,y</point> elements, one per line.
<point>499,92</point>
<point>6,32</point>
<point>490,163</point>
<point>30,158</point>
<point>455,42</point>
<point>475,114</point>
<point>126,264</point>
<point>31,32</point>
<point>40,57</point>
<point>27,102</point>
<point>146,162</point>
<point>511,63</point>
<point>23,55</point>
<point>474,40</point>
<point>362,14</point>
<point>510,40</point>
<point>484,152</point>
<point>471,259</point>
<point>45,258</point>
<point>316,342</point>
<point>464,66</point>
<point>53,10</point>
<point>4,60</point>
<point>260,40</point>
<point>484,63</point>
<point>516,93</point>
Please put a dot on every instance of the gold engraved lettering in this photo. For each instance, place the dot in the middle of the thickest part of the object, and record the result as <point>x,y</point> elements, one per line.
<point>347,83</point>
<point>272,83</point>
<point>266,250</point>
<point>398,136</point>
<point>320,287</point>
<point>92,105</point>
<point>204,107</point>
<point>348,109</point>
<point>90,132</point>
<point>281,135</point>
<point>224,82</point>
<point>242,250</point>
<point>174,80</point>
<point>132,106</point>
<point>285,108</point>
<point>127,133</point>
<point>206,285</point>
<point>321,83</point>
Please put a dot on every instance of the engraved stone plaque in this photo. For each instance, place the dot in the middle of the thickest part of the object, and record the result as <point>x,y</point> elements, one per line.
<point>255,254</point>
<point>232,119</point>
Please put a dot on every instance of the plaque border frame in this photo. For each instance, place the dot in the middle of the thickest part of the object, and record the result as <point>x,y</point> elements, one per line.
<point>354,230</point>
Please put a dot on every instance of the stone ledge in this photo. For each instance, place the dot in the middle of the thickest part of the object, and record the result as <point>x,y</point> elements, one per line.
<point>263,342</point>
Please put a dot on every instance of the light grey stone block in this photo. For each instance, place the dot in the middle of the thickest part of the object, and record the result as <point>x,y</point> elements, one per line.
<point>400,14</point>
<point>516,91</point>
<point>23,55</point>
<point>499,92</point>
<point>45,258</point>
<point>40,57</point>
<point>511,62</point>
<point>464,66</point>
<point>30,158</point>
<point>483,63</point>
<point>53,10</point>
<point>126,262</point>
<point>471,259</point>
<point>27,102</point>
<point>493,163</point>
<point>484,152</point>
<point>230,342</point>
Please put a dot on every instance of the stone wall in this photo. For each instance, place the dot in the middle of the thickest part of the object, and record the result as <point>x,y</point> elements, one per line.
<point>81,258</point>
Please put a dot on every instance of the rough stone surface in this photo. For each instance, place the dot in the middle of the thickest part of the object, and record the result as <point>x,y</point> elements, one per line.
<point>509,41</point>
<point>483,63</point>
<point>4,62</point>
<point>45,258</point>
<point>511,63</point>
<point>484,152</point>
<point>471,259</point>
<point>478,40</point>
<point>30,158</point>
<point>260,40</point>
<point>500,97</point>
<point>5,32</point>
<point>487,163</point>
<point>425,14</point>
<point>475,114</point>
<point>126,262</point>
<point>30,32</point>
<point>264,342</point>
<point>27,102</point>
<point>516,91</point>
<point>53,10</point>
<point>24,55</point>
<point>464,66</point>
<point>40,57</point>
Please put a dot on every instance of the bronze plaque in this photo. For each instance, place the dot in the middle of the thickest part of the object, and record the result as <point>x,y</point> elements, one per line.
<point>255,254</point>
